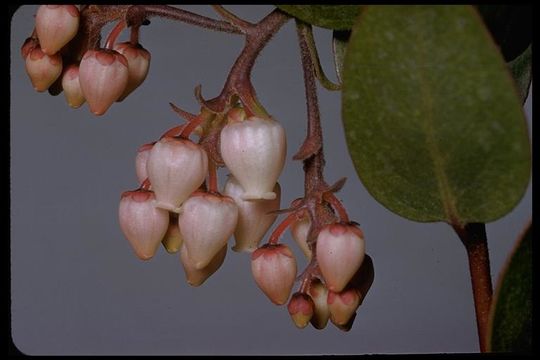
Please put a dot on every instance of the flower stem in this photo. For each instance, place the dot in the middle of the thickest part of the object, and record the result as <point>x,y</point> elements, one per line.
<point>115,32</point>
<point>473,237</point>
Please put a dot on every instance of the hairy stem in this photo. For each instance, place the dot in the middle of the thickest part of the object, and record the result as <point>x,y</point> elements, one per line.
<point>473,237</point>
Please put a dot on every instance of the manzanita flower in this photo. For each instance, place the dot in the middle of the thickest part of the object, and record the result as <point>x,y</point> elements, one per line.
<point>254,217</point>
<point>138,59</point>
<point>343,305</point>
<point>143,153</point>
<point>42,69</point>
<point>172,240</point>
<point>340,252</point>
<point>206,222</point>
<point>103,76</point>
<point>56,25</point>
<point>254,151</point>
<point>195,276</point>
<point>142,223</point>
<point>274,269</point>
<point>28,45</point>
<point>176,168</point>
<point>72,87</point>
<point>301,309</point>
<point>319,295</point>
<point>299,231</point>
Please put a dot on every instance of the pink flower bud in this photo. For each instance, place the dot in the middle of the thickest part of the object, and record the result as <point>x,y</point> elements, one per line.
<point>172,241</point>
<point>206,222</point>
<point>103,76</point>
<point>254,151</point>
<point>42,69</point>
<point>56,25</point>
<point>72,87</point>
<point>340,252</point>
<point>299,231</point>
<point>196,277</point>
<point>28,45</point>
<point>143,224</point>
<point>140,161</point>
<point>138,59</point>
<point>343,305</point>
<point>319,294</point>
<point>176,168</point>
<point>253,216</point>
<point>301,309</point>
<point>274,270</point>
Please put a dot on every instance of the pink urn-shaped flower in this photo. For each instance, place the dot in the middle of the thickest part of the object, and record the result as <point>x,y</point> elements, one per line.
<point>340,252</point>
<point>103,76</point>
<point>142,223</point>
<point>138,59</point>
<point>72,86</point>
<point>42,69</point>
<point>301,309</point>
<point>143,153</point>
<point>299,231</point>
<point>343,305</point>
<point>56,25</point>
<point>254,151</point>
<point>274,270</point>
<point>195,276</point>
<point>319,294</point>
<point>254,218</point>
<point>176,168</point>
<point>206,222</point>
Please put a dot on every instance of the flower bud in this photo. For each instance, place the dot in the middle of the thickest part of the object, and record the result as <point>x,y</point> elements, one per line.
<point>301,309</point>
<point>140,161</point>
<point>254,151</point>
<point>172,240</point>
<point>206,223</point>
<point>28,45</point>
<point>299,231</point>
<point>348,326</point>
<point>253,216</point>
<point>343,305</point>
<point>56,25</point>
<point>176,168</point>
<point>72,87</point>
<point>319,294</point>
<point>138,59</point>
<point>103,76</point>
<point>274,270</point>
<point>42,69</point>
<point>143,224</point>
<point>340,252</point>
<point>196,277</point>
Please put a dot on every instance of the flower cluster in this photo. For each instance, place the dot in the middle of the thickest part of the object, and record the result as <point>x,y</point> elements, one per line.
<point>98,76</point>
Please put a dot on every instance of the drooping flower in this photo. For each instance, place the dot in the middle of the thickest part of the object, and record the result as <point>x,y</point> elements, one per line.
<point>195,276</point>
<point>42,69</point>
<point>72,86</point>
<point>138,59</point>
<point>319,294</point>
<point>301,309</point>
<point>56,25</point>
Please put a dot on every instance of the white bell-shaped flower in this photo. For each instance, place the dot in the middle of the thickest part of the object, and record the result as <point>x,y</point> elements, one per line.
<point>176,168</point>
<point>299,231</point>
<point>142,223</point>
<point>196,277</point>
<point>42,69</point>
<point>254,151</point>
<point>340,252</point>
<point>138,59</point>
<point>274,270</point>
<point>301,308</point>
<point>56,25</point>
<point>103,76</point>
<point>254,219</point>
<point>72,86</point>
<point>206,222</point>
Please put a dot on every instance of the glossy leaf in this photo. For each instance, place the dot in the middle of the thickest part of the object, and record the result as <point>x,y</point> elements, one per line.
<point>339,17</point>
<point>510,26</point>
<point>521,68</point>
<point>433,123</point>
<point>511,315</point>
<point>340,39</point>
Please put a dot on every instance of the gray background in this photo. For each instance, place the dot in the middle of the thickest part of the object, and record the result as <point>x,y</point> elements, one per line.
<point>77,287</point>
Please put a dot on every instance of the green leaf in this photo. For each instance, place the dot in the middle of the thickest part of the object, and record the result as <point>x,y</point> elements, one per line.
<point>339,17</point>
<point>510,26</point>
<point>340,39</point>
<point>521,68</point>
<point>433,123</point>
<point>511,315</point>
